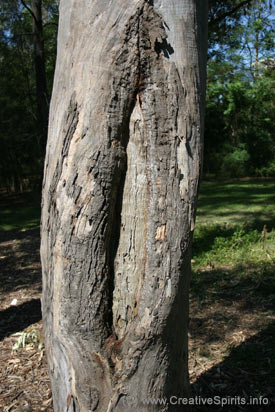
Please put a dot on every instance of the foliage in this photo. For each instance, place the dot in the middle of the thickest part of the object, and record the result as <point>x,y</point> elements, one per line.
<point>21,161</point>
<point>234,162</point>
<point>28,340</point>
<point>240,92</point>
<point>266,171</point>
<point>233,22</point>
<point>239,138</point>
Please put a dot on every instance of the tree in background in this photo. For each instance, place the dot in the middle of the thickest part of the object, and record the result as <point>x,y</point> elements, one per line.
<point>119,200</point>
<point>240,95</point>
<point>42,96</point>
<point>22,132</point>
<point>240,41</point>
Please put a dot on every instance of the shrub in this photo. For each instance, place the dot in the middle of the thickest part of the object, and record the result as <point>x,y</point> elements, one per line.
<point>267,171</point>
<point>234,163</point>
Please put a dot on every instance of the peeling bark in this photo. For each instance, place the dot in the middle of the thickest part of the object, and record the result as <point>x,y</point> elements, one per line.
<point>119,198</point>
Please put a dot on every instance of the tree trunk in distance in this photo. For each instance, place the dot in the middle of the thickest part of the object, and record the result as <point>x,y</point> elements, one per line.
<point>121,176</point>
<point>42,98</point>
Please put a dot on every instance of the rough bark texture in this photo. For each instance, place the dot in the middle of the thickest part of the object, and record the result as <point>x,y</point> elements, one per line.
<point>119,198</point>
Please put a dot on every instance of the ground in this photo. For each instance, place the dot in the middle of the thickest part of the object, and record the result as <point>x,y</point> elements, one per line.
<point>232,318</point>
<point>24,381</point>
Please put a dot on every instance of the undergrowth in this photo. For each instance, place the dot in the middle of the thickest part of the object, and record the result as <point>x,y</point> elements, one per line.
<point>225,244</point>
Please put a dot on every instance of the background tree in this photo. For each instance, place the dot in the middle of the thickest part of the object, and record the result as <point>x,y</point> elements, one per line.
<point>240,34</point>
<point>121,177</point>
<point>240,95</point>
<point>21,131</point>
<point>42,96</point>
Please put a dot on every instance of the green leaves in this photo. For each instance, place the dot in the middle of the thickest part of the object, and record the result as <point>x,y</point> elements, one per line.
<point>240,95</point>
<point>21,149</point>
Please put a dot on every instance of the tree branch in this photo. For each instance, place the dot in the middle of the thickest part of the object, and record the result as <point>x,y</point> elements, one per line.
<point>29,10</point>
<point>228,13</point>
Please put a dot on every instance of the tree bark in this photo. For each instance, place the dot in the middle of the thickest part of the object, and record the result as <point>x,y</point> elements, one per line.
<point>120,187</point>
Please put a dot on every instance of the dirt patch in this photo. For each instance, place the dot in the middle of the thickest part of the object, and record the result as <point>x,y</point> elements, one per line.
<point>24,380</point>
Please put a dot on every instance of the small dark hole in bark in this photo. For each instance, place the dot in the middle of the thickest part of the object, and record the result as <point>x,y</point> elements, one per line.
<point>164,47</point>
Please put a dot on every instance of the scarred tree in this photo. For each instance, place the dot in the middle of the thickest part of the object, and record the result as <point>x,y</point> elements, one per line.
<point>122,168</point>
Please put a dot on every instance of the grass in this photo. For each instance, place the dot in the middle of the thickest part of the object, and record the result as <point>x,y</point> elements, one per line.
<point>235,224</point>
<point>244,202</point>
<point>19,212</point>
<point>232,299</point>
<point>234,240</point>
<point>229,244</point>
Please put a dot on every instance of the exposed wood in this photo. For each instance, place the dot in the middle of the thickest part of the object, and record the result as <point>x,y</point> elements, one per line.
<point>121,177</point>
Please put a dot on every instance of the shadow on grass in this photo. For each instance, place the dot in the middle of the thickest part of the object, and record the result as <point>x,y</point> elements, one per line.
<point>245,193</point>
<point>16,318</point>
<point>250,203</point>
<point>19,211</point>
<point>248,372</point>
<point>19,260</point>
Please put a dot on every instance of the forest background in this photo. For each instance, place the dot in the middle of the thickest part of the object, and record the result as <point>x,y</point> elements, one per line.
<point>232,318</point>
<point>239,136</point>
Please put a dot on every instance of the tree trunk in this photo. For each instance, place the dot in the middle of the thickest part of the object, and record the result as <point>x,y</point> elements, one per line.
<point>42,97</point>
<point>119,198</point>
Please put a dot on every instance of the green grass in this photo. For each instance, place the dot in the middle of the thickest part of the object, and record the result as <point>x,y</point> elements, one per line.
<point>249,202</point>
<point>19,212</point>
<point>233,286</point>
<point>233,255</point>
<point>230,223</point>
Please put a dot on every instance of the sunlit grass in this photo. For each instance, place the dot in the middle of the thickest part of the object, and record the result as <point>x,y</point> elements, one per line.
<point>230,245</point>
<point>234,240</point>
<point>235,224</point>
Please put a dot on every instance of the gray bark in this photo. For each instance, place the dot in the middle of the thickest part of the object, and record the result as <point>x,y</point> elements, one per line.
<point>120,186</point>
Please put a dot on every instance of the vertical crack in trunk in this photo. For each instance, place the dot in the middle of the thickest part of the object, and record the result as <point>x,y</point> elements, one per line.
<point>130,255</point>
<point>128,62</point>
<point>130,258</point>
